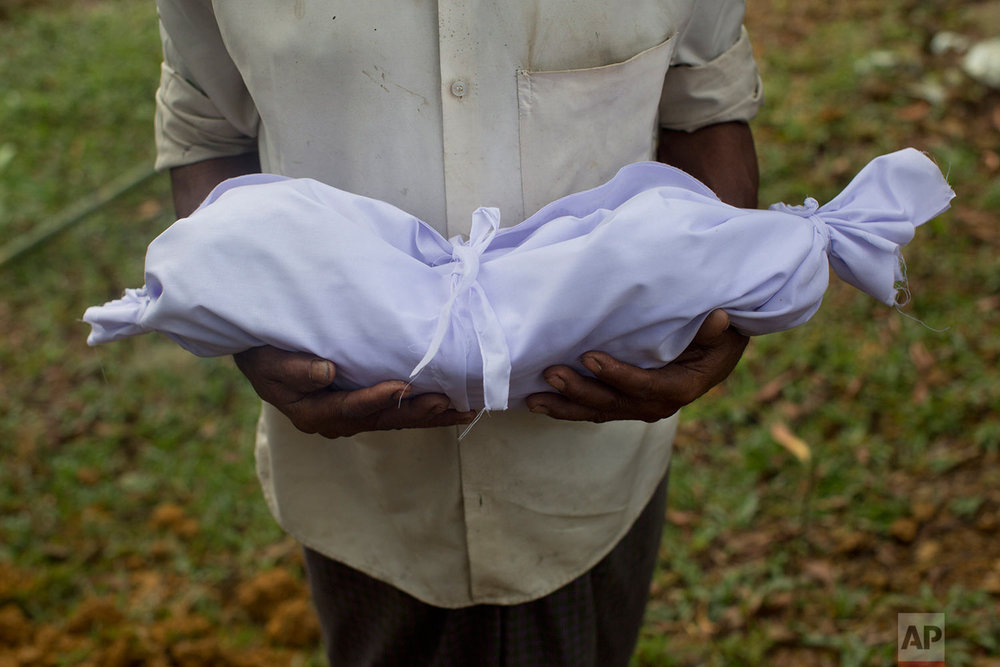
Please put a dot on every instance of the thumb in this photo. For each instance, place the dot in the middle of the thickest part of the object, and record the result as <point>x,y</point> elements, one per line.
<point>714,326</point>
<point>297,371</point>
<point>321,372</point>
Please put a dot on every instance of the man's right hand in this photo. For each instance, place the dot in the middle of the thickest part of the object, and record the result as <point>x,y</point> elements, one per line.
<point>298,385</point>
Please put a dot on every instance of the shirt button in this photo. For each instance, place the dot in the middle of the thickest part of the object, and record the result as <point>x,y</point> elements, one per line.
<point>459,88</point>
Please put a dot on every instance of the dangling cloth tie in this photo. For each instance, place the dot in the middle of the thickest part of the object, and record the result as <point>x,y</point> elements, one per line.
<point>489,334</point>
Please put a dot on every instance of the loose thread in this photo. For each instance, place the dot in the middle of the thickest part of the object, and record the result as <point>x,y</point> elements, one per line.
<point>902,283</point>
<point>903,297</point>
<point>402,393</point>
<point>474,422</point>
<point>919,321</point>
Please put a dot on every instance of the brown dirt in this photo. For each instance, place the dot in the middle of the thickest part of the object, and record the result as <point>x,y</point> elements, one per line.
<point>103,631</point>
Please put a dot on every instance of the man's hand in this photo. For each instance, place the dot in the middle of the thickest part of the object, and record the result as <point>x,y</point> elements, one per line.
<point>298,385</point>
<point>623,391</point>
<point>723,156</point>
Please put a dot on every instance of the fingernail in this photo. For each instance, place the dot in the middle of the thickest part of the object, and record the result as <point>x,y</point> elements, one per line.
<point>540,409</point>
<point>557,382</point>
<point>320,371</point>
<point>592,365</point>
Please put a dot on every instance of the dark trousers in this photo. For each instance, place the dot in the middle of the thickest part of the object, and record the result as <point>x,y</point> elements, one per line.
<point>593,621</point>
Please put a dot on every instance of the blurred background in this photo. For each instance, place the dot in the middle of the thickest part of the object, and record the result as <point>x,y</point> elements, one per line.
<point>847,471</point>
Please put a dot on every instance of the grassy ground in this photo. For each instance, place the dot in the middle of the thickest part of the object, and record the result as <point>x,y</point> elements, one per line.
<point>131,528</point>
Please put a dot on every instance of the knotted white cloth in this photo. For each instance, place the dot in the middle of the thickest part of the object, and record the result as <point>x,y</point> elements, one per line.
<point>632,268</point>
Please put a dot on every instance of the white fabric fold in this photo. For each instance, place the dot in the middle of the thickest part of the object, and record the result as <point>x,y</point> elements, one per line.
<point>120,318</point>
<point>631,268</point>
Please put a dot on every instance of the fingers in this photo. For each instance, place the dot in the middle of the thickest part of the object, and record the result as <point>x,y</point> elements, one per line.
<point>381,407</point>
<point>579,397</point>
<point>618,391</point>
<point>292,371</point>
<point>623,391</point>
<point>336,414</point>
<point>711,362</point>
<point>358,404</point>
<point>422,411</point>
<point>616,382</point>
<point>559,407</point>
<point>714,326</point>
<point>297,384</point>
<point>634,382</point>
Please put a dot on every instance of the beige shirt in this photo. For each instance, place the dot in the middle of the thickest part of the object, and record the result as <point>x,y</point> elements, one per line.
<point>441,107</point>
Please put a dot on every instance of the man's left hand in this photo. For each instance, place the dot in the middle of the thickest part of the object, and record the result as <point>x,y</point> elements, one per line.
<point>622,391</point>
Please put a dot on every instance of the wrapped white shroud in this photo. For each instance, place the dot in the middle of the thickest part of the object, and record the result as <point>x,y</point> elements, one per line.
<point>632,268</point>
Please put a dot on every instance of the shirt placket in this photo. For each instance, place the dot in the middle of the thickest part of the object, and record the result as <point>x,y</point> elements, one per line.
<point>462,136</point>
<point>460,113</point>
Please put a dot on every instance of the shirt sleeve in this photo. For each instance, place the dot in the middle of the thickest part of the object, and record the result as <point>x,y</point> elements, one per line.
<point>713,77</point>
<point>203,108</point>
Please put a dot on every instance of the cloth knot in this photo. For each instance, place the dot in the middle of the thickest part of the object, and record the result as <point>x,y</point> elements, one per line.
<point>119,318</point>
<point>808,209</point>
<point>492,343</point>
<point>465,254</point>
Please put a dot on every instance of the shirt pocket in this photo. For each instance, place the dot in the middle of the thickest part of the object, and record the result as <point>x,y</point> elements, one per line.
<point>577,127</point>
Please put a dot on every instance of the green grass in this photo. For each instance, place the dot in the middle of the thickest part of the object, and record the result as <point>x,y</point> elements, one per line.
<point>93,441</point>
<point>894,412</point>
<point>766,559</point>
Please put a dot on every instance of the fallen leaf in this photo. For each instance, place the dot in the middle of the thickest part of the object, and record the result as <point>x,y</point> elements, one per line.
<point>795,445</point>
<point>93,613</point>
<point>260,595</point>
<point>293,623</point>
<point>904,529</point>
<point>15,629</point>
<point>733,618</point>
<point>988,522</point>
<point>991,160</point>
<point>167,515</point>
<point>852,542</point>
<point>750,546</point>
<point>922,510</point>
<point>920,393</point>
<point>681,518</point>
<point>988,304</point>
<point>772,390</point>
<point>982,225</point>
<point>876,579</point>
<point>704,625</point>
<point>863,455</point>
<point>821,571</point>
<point>779,634</point>
<point>912,113</point>
<point>921,357</point>
<point>149,209</point>
<point>204,651</point>
<point>88,476</point>
<point>853,388</point>
<point>928,551</point>
<point>991,583</point>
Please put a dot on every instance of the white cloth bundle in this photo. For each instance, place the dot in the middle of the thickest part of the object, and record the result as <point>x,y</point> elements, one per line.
<point>632,268</point>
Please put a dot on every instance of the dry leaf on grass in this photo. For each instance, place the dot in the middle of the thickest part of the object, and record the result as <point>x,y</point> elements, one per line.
<point>794,444</point>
